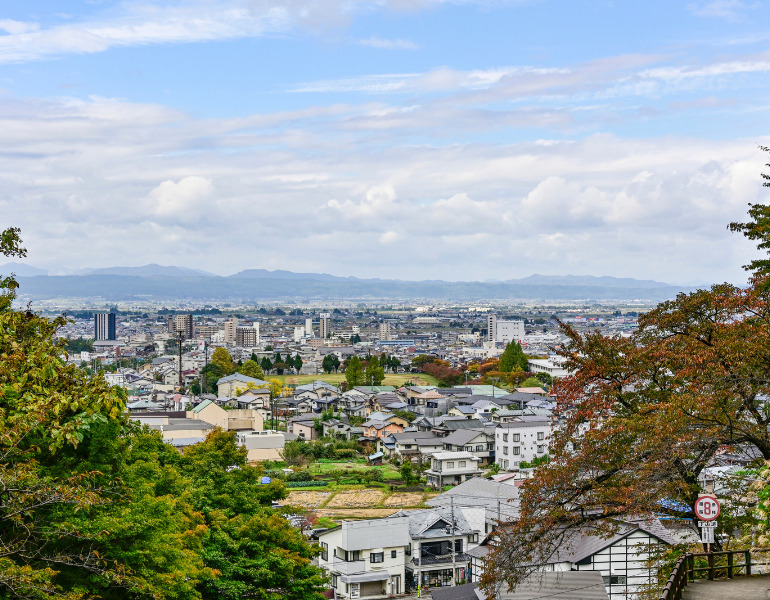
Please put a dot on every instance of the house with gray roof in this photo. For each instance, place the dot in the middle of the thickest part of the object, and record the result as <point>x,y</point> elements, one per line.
<point>478,441</point>
<point>623,558</point>
<point>451,468</point>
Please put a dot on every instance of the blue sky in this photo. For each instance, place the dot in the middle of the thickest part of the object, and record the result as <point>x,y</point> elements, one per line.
<point>414,139</point>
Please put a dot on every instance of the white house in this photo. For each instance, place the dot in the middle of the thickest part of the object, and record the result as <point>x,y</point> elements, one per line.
<point>448,468</point>
<point>622,560</point>
<point>366,559</point>
<point>521,441</point>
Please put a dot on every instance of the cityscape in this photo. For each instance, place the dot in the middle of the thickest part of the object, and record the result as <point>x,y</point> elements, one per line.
<point>384,299</point>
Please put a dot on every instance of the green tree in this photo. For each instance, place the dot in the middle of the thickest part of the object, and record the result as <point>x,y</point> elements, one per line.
<point>694,377</point>
<point>374,373</point>
<point>513,357</point>
<point>330,363</point>
<point>251,369</point>
<point>354,374</point>
<point>266,364</point>
<point>221,357</point>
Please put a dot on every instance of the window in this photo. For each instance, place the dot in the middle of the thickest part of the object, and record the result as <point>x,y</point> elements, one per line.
<point>540,435</point>
<point>479,448</point>
<point>540,449</point>
<point>516,450</point>
<point>392,554</point>
<point>516,437</point>
<point>324,551</point>
<point>376,557</point>
<point>408,549</point>
<point>450,465</point>
<point>461,464</point>
<point>614,579</point>
<point>334,581</point>
<point>505,449</point>
<point>505,437</point>
<point>351,555</point>
<point>469,448</point>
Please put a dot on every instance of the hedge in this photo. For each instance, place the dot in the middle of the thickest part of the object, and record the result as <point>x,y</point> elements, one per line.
<point>293,484</point>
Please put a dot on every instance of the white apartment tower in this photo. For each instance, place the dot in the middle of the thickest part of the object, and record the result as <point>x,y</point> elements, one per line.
<point>308,327</point>
<point>384,333</point>
<point>504,331</point>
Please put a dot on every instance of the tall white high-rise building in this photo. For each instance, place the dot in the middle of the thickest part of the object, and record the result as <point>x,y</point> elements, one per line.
<point>308,327</point>
<point>504,331</point>
<point>384,333</point>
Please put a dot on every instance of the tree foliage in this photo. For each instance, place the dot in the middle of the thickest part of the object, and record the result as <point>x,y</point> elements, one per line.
<point>221,358</point>
<point>251,369</point>
<point>92,505</point>
<point>354,373</point>
<point>330,363</point>
<point>513,357</point>
<point>643,416</point>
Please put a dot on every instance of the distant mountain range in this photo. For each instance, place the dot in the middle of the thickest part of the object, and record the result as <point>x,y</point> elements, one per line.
<point>161,282</point>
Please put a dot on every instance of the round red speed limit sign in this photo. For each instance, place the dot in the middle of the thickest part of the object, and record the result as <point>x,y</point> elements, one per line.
<point>707,508</point>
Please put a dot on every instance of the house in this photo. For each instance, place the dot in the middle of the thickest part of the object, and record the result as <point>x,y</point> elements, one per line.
<point>622,559</point>
<point>303,426</point>
<point>237,383</point>
<point>367,559</point>
<point>467,412</point>
<point>440,539</point>
<point>565,585</point>
<point>449,468</point>
<point>479,442</point>
<point>500,501</point>
<point>263,445</point>
<point>226,419</point>
<point>416,446</point>
<point>521,441</point>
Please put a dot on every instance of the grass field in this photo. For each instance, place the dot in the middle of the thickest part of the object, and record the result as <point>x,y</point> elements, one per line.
<point>337,378</point>
<point>321,468</point>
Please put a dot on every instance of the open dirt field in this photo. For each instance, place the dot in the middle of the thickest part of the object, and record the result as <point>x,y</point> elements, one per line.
<point>356,499</point>
<point>307,499</point>
<point>355,513</point>
<point>403,499</point>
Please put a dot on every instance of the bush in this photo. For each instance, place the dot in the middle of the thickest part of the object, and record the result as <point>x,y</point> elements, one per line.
<point>295,484</point>
<point>303,475</point>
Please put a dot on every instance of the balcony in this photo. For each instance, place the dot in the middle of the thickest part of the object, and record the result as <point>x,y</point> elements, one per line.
<point>460,557</point>
<point>345,567</point>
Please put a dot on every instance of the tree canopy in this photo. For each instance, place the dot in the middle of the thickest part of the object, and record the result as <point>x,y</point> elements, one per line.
<point>93,505</point>
<point>251,369</point>
<point>354,374</point>
<point>513,357</point>
<point>642,416</point>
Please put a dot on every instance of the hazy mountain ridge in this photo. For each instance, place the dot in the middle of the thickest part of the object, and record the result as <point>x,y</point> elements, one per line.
<point>260,284</point>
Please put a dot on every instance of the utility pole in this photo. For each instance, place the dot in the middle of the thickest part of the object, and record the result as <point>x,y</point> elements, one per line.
<point>454,554</point>
<point>180,337</point>
<point>206,364</point>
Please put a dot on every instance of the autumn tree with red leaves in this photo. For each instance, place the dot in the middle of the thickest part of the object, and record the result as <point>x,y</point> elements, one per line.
<point>642,416</point>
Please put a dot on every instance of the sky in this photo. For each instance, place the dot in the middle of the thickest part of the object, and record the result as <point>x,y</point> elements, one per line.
<point>409,139</point>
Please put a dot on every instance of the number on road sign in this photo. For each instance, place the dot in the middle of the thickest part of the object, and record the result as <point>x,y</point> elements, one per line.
<point>707,508</point>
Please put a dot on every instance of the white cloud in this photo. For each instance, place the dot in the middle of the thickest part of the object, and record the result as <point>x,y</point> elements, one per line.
<point>183,201</point>
<point>396,44</point>
<point>732,10</point>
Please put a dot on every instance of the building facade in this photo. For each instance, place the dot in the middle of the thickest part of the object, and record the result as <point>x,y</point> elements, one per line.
<point>105,326</point>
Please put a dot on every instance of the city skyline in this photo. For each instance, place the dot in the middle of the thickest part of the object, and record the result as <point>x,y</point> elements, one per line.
<point>397,139</point>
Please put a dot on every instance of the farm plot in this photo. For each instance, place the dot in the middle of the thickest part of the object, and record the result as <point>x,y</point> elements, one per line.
<point>356,499</point>
<point>307,499</point>
<point>403,499</point>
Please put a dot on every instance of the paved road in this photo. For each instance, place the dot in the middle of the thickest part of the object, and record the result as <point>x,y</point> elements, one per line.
<point>740,588</point>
